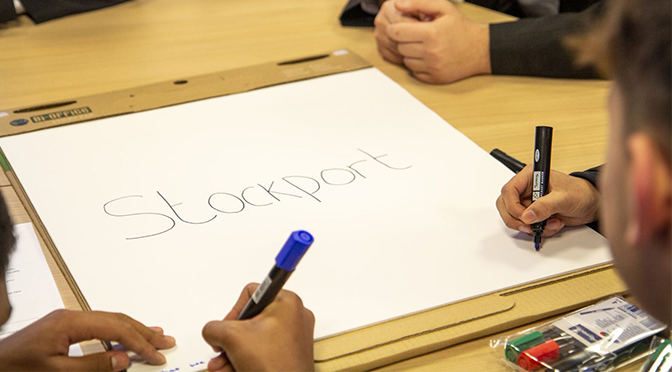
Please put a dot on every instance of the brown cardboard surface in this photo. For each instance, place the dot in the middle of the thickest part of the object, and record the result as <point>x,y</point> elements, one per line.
<point>368,347</point>
<point>74,110</point>
<point>448,325</point>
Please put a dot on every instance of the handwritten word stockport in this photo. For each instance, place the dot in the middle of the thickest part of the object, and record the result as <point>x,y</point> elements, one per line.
<point>262,195</point>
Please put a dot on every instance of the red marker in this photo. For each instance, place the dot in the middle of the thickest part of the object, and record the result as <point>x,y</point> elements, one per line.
<point>545,353</point>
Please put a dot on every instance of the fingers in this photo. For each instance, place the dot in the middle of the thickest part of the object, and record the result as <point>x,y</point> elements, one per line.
<point>219,364</point>
<point>102,362</point>
<point>411,32</point>
<point>390,56</point>
<point>416,65</point>
<point>392,15</point>
<point>131,334</point>
<point>426,77</point>
<point>432,8</point>
<point>411,50</point>
<point>387,16</point>
<point>244,297</point>
<point>222,334</point>
<point>514,191</point>
<point>544,207</point>
<point>509,220</point>
<point>158,330</point>
<point>516,212</point>
<point>553,226</point>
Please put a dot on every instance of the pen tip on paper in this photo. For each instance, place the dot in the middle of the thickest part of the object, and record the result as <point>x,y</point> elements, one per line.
<point>536,246</point>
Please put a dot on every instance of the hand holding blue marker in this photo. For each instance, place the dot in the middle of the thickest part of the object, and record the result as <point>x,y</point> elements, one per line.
<point>285,262</point>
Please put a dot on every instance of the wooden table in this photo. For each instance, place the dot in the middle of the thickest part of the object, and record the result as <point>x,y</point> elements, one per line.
<point>147,41</point>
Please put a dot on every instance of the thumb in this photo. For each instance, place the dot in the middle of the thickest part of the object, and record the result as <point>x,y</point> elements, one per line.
<point>104,362</point>
<point>543,208</point>
<point>427,7</point>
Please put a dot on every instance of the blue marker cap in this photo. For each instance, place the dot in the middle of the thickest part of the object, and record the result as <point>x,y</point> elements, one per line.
<point>294,249</point>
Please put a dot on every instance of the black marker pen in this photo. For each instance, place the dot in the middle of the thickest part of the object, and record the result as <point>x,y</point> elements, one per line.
<point>541,174</point>
<point>509,161</point>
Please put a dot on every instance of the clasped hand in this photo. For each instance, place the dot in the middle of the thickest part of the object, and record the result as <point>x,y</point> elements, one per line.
<point>436,42</point>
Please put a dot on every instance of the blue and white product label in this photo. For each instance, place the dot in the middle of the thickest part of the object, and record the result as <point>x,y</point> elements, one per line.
<point>256,296</point>
<point>536,185</point>
<point>609,326</point>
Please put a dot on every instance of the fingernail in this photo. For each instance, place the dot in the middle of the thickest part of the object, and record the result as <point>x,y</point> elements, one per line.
<point>529,216</point>
<point>158,330</point>
<point>115,363</point>
<point>526,229</point>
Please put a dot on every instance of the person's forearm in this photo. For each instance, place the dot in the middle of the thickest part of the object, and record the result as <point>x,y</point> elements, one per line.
<point>7,11</point>
<point>535,46</point>
<point>591,175</point>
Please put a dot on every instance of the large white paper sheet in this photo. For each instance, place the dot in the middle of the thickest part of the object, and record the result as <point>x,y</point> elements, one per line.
<point>165,215</point>
<point>30,285</point>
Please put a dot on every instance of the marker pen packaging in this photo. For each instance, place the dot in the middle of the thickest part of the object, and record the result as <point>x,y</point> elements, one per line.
<point>602,337</point>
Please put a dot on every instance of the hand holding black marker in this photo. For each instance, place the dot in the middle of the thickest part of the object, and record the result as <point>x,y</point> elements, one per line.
<point>541,174</point>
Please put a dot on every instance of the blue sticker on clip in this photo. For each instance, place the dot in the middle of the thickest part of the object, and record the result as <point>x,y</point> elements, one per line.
<point>18,122</point>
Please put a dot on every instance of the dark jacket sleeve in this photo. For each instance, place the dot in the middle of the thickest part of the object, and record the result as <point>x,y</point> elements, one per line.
<point>46,10</point>
<point>590,175</point>
<point>7,10</point>
<point>534,46</point>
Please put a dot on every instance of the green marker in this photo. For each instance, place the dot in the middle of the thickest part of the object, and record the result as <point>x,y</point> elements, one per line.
<point>661,358</point>
<point>515,347</point>
<point>3,163</point>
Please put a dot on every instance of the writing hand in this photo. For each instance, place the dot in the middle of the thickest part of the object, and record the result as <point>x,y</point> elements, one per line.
<point>278,339</point>
<point>571,201</point>
<point>44,345</point>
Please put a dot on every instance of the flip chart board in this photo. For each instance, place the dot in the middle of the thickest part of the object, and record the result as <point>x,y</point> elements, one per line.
<point>166,214</point>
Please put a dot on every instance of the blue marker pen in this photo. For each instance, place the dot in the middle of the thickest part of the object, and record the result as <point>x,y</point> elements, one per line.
<point>285,262</point>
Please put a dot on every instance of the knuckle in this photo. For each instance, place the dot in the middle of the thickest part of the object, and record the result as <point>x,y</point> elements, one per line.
<point>207,328</point>
<point>510,222</point>
<point>123,317</point>
<point>311,316</point>
<point>146,349</point>
<point>505,189</point>
<point>432,53</point>
<point>377,34</point>
<point>251,286</point>
<point>430,34</point>
<point>293,298</point>
<point>60,313</point>
<point>379,21</point>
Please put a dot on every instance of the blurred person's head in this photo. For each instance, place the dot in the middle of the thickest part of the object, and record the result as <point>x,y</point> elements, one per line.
<point>632,46</point>
<point>6,247</point>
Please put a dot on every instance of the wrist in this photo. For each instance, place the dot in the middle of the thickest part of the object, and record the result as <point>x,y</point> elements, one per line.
<point>482,49</point>
<point>592,200</point>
